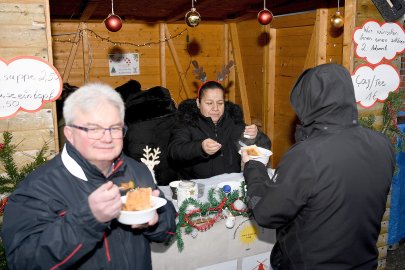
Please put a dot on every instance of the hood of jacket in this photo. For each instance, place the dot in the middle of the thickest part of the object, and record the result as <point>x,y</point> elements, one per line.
<point>189,113</point>
<point>323,98</point>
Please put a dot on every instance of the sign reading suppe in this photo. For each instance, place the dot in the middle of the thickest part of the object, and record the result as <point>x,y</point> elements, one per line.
<point>375,42</point>
<point>27,83</point>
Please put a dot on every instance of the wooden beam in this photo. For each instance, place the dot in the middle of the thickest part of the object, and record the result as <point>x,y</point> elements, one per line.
<point>86,54</point>
<point>310,58</point>
<point>86,14</point>
<point>228,57</point>
<point>91,6</point>
<point>240,72</point>
<point>269,83</point>
<point>50,61</point>
<point>162,56</point>
<point>232,74</point>
<point>72,54</point>
<point>350,24</point>
<point>177,63</point>
<point>316,54</point>
<point>322,33</point>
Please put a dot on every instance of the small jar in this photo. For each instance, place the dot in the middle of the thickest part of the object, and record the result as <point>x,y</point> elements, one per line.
<point>186,189</point>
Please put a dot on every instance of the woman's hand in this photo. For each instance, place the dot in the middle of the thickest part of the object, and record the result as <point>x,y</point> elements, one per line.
<point>210,146</point>
<point>251,131</point>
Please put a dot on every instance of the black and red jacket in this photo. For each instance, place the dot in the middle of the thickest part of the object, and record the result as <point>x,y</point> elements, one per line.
<point>48,223</point>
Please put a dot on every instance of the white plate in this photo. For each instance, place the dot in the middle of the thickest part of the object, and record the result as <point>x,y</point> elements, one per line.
<point>142,216</point>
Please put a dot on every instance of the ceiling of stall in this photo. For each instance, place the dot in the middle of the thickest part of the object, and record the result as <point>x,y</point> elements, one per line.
<point>152,11</point>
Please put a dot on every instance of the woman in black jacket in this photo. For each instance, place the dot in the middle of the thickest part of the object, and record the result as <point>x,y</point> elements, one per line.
<point>204,142</point>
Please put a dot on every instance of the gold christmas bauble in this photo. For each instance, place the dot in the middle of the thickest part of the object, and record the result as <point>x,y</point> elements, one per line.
<point>337,20</point>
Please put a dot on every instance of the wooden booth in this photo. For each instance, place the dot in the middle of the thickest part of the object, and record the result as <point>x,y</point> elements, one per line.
<point>267,58</point>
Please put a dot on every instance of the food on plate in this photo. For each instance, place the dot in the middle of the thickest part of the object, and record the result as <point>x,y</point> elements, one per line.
<point>138,199</point>
<point>128,185</point>
<point>252,150</point>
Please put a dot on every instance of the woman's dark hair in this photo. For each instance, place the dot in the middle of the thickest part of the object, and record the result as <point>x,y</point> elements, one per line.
<point>209,85</point>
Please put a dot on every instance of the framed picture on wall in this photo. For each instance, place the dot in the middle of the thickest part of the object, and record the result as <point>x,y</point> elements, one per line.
<point>123,64</point>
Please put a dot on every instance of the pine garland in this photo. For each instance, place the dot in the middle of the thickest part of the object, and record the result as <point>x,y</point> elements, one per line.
<point>389,127</point>
<point>13,175</point>
<point>201,216</point>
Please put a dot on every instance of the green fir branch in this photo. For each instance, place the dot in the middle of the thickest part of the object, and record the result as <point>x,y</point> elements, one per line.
<point>12,175</point>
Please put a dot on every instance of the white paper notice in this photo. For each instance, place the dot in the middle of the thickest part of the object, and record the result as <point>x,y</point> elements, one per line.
<point>376,42</point>
<point>374,84</point>
<point>27,83</point>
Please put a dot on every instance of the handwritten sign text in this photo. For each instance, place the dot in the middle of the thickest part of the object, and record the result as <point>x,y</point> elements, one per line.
<point>375,42</point>
<point>26,83</point>
<point>372,85</point>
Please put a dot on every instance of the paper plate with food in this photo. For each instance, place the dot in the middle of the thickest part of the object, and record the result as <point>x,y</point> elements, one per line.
<point>139,206</point>
<point>258,153</point>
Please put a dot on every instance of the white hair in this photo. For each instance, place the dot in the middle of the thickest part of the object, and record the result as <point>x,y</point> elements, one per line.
<point>88,97</point>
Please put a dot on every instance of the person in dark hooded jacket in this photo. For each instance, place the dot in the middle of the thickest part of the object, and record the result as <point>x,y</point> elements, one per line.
<point>328,195</point>
<point>64,214</point>
<point>204,142</point>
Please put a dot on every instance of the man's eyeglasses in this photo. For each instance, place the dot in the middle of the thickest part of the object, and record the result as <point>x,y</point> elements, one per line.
<point>97,133</point>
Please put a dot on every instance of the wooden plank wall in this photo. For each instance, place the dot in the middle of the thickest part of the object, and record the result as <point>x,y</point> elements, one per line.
<point>24,30</point>
<point>253,43</point>
<point>168,63</point>
<point>293,35</point>
<point>211,46</point>
<point>294,53</point>
<point>203,44</point>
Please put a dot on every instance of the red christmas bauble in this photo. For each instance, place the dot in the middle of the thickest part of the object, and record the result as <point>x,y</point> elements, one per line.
<point>265,17</point>
<point>113,23</point>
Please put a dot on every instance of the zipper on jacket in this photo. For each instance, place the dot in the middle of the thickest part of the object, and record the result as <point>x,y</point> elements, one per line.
<point>216,138</point>
<point>107,248</point>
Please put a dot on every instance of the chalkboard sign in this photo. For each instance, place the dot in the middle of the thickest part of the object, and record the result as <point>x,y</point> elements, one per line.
<point>375,42</point>
<point>372,84</point>
<point>27,83</point>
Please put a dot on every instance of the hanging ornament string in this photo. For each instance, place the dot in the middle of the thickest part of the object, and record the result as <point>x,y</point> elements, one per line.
<point>337,20</point>
<point>115,43</point>
<point>113,22</point>
<point>265,16</point>
<point>192,17</point>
